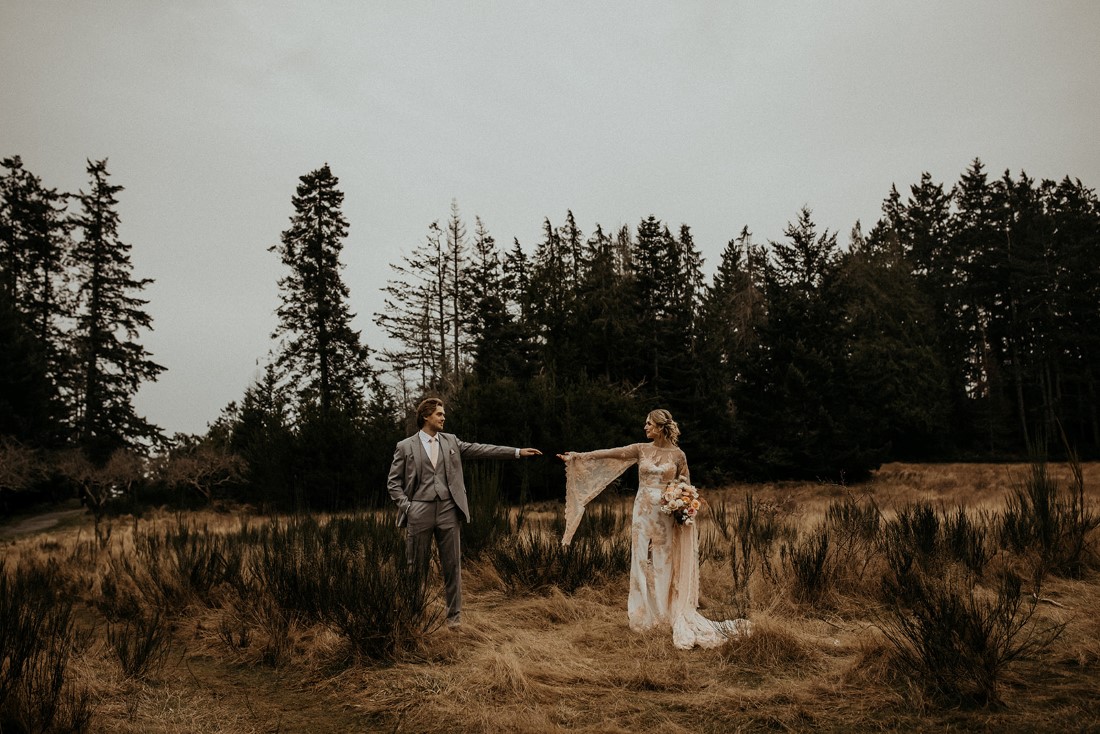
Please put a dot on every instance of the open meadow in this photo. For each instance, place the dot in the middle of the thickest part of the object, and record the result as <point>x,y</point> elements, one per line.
<point>932,598</point>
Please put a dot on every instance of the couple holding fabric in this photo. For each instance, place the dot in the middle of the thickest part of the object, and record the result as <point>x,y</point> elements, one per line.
<point>426,482</point>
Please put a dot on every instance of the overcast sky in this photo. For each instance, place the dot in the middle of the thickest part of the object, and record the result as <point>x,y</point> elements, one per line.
<point>713,114</point>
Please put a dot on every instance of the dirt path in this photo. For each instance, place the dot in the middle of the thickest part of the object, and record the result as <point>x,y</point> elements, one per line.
<point>38,523</point>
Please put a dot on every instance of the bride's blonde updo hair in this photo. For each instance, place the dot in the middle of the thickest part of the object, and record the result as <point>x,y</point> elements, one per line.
<point>662,419</point>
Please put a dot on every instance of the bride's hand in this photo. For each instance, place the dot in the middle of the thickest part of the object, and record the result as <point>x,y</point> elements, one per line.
<point>565,456</point>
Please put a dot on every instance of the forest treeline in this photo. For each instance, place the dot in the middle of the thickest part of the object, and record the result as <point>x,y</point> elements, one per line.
<point>961,325</point>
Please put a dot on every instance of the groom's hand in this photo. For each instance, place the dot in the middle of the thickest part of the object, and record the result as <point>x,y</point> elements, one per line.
<point>530,452</point>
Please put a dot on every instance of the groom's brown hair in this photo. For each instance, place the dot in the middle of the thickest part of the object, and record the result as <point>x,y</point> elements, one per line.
<point>426,408</point>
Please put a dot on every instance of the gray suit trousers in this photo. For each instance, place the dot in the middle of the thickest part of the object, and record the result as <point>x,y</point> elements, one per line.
<point>439,520</point>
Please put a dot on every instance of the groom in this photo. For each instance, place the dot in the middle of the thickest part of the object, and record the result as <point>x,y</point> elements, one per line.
<point>426,483</point>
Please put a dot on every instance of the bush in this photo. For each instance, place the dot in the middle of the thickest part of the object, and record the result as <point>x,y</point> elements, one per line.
<point>37,637</point>
<point>1039,518</point>
<point>923,538</point>
<point>141,643</point>
<point>752,533</point>
<point>953,641</point>
<point>489,513</point>
<point>812,573</point>
<point>837,553</point>
<point>172,568</point>
<point>915,534</point>
<point>966,541</point>
<point>380,607</point>
<point>534,560</point>
<point>855,528</point>
<point>117,601</point>
<point>349,572</point>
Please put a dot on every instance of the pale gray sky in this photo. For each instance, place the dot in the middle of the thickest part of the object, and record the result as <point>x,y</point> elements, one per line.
<point>713,114</point>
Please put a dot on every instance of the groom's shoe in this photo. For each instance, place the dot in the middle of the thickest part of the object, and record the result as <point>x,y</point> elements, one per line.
<point>454,623</point>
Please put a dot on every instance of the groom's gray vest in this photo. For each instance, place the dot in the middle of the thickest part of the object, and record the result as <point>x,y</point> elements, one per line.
<point>433,481</point>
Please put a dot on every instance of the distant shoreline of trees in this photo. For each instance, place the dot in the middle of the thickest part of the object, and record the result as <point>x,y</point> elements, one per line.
<point>962,325</point>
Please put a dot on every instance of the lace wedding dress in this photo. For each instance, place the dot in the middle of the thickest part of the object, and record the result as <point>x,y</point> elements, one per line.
<point>664,564</point>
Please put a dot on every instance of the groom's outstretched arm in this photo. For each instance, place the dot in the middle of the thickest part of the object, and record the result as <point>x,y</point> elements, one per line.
<point>490,451</point>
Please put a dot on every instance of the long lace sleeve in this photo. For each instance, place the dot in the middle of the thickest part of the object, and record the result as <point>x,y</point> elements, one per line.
<point>588,474</point>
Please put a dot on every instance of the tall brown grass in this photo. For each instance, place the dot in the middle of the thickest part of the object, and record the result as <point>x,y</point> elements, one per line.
<point>220,622</point>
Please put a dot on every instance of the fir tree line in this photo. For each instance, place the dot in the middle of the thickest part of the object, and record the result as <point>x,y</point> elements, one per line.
<point>962,326</point>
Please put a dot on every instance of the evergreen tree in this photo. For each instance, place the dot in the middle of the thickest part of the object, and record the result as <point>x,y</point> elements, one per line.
<point>411,317</point>
<point>429,311</point>
<point>1020,309</point>
<point>499,345</point>
<point>320,357</point>
<point>897,401</point>
<point>792,400</point>
<point>977,244</point>
<point>735,306</point>
<point>34,247</point>
<point>922,226</point>
<point>651,292</point>
<point>683,372</point>
<point>111,363</point>
<point>572,241</point>
<point>260,433</point>
<point>516,282</point>
<point>549,303</point>
<point>25,390</point>
<point>733,313</point>
<point>1074,263</point>
<point>457,295</point>
<point>335,400</point>
<point>923,229</point>
<point>1029,276</point>
<point>805,260</point>
<point>603,307</point>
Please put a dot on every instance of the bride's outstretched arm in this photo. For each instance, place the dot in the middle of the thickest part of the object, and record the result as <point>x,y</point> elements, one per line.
<point>621,453</point>
<point>586,475</point>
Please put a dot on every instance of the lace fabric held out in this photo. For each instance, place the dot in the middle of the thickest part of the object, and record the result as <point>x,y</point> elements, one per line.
<point>584,480</point>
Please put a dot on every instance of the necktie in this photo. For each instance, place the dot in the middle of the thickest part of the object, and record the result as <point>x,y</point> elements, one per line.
<point>433,450</point>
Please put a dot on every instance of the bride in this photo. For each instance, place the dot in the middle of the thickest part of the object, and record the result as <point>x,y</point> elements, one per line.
<point>664,564</point>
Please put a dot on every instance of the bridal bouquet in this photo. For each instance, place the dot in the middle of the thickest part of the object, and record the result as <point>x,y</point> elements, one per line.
<point>681,500</point>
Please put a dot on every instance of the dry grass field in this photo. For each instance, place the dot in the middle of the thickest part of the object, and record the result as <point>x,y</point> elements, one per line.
<point>545,660</point>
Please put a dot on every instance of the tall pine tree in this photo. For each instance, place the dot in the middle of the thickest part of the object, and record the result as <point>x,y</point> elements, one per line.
<point>1074,212</point>
<point>792,398</point>
<point>410,318</point>
<point>733,313</point>
<point>977,244</point>
<point>111,363</point>
<point>35,244</point>
<point>499,345</point>
<point>604,309</point>
<point>320,356</point>
<point>896,386</point>
<point>457,294</point>
<point>550,305</point>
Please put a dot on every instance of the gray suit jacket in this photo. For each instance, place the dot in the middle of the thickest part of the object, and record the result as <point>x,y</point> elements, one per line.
<point>409,457</point>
